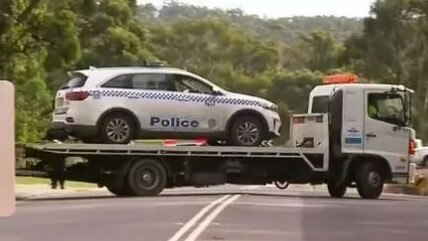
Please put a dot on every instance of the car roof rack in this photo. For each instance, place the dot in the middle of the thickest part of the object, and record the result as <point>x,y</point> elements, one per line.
<point>154,64</point>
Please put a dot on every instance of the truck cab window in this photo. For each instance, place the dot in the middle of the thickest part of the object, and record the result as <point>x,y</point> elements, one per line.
<point>320,104</point>
<point>386,107</point>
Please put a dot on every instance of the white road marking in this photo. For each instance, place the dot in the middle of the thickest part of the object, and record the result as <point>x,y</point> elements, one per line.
<point>252,187</point>
<point>196,218</point>
<point>202,226</point>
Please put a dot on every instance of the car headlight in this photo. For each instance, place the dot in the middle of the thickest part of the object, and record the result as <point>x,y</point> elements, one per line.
<point>271,107</point>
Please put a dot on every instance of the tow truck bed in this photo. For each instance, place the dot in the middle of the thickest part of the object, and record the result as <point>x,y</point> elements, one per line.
<point>133,167</point>
<point>259,153</point>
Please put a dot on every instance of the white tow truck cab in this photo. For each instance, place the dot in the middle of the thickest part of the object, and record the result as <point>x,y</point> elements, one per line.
<point>367,122</point>
<point>354,135</point>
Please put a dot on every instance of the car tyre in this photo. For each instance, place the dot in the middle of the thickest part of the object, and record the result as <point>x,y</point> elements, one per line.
<point>117,128</point>
<point>369,180</point>
<point>246,131</point>
<point>147,177</point>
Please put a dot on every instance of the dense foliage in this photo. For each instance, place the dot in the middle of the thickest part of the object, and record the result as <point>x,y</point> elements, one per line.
<point>278,59</point>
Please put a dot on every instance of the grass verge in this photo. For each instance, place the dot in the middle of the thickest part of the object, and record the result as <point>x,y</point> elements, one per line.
<point>46,181</point>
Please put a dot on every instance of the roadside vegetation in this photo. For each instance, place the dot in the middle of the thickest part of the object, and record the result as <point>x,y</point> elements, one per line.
<point>46,182</point>
<point>277,59</point>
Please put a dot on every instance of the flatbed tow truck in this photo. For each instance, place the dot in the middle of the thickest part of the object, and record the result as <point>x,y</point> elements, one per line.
<point>341,142</point>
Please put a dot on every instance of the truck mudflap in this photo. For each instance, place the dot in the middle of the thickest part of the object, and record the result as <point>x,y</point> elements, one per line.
<point>412,173</point>
<point>405,177</point>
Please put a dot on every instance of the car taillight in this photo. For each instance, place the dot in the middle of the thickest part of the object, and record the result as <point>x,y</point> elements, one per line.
<point>412,147</point>
<point>77,95</point>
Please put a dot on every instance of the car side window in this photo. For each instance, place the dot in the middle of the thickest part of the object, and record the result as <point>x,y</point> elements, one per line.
<point>151,82</point>
<point>184,83</point>
<point>121,81</point>
<point>386,107</point>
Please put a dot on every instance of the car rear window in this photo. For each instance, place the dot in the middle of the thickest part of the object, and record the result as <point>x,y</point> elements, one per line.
<point>77,80</point>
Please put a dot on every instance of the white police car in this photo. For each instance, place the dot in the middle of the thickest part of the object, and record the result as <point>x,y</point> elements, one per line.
<point>116,105</point>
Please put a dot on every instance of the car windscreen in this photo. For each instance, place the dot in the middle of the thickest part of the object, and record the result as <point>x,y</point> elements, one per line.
<point>77,80</point>
<point>320,104</point>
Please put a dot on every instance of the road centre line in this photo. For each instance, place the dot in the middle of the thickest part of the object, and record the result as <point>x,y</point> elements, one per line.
<point>196,218</point>
<point>204,224</point>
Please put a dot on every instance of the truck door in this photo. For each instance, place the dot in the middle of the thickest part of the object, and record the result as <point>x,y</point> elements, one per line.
<point>384,134</point>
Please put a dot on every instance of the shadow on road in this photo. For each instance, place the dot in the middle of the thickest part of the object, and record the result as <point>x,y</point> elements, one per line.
<point>301,196</point>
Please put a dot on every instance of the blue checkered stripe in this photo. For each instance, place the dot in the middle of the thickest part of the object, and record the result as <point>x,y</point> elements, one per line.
<point>174,95</point>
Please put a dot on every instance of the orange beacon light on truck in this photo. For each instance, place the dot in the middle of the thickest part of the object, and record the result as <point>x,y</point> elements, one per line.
<point>340,79</point>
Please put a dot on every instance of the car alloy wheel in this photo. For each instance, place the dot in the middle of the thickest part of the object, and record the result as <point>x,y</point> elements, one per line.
<point>248,133</point>
<point>118,130</point>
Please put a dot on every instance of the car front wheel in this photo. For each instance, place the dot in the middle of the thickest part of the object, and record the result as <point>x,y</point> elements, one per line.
<point>246,131</point>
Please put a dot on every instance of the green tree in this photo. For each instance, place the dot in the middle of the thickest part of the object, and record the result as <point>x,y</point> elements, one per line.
<point>392,48</point>
<point>318,51</point>
<point>214,49</point>
<point>35,36</point>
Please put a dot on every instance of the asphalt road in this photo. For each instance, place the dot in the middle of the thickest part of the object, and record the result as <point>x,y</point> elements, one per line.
<point>222,213</point>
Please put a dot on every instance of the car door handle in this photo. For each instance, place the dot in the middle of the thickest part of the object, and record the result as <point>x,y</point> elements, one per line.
<point>371,135</point>
<point>133,97</point>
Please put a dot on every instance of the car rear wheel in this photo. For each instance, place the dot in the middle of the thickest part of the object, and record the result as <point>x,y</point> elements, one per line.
<point>246,131</point>
<point>117,128</point>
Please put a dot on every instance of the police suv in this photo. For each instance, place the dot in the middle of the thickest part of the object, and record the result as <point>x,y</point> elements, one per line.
<point>117,105</point>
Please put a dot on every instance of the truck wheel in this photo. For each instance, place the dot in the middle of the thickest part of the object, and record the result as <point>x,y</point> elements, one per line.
<point>425,162</point>
<point>119,191</point>
<point>117,128</point>
<point>281,184</point>
<point>336,190</point>
<point>147,177</point>
<point>369,180</point>
<point>246,131</point>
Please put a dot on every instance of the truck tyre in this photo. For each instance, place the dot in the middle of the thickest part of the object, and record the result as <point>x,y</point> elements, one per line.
<point>146,177</point>
<point>246,130</point>
<point>425,162</point>
<point>335,189</point>
<point>369,180</point>
<point>281,184</point>
<point>119,191</point>
<point>117,128</point>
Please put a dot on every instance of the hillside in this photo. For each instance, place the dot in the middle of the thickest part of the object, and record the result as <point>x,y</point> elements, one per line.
<point>286,29</point>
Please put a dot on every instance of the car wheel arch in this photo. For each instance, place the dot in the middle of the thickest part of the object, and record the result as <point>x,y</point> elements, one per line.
<point>244,112</point>
<point>119,110</point>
